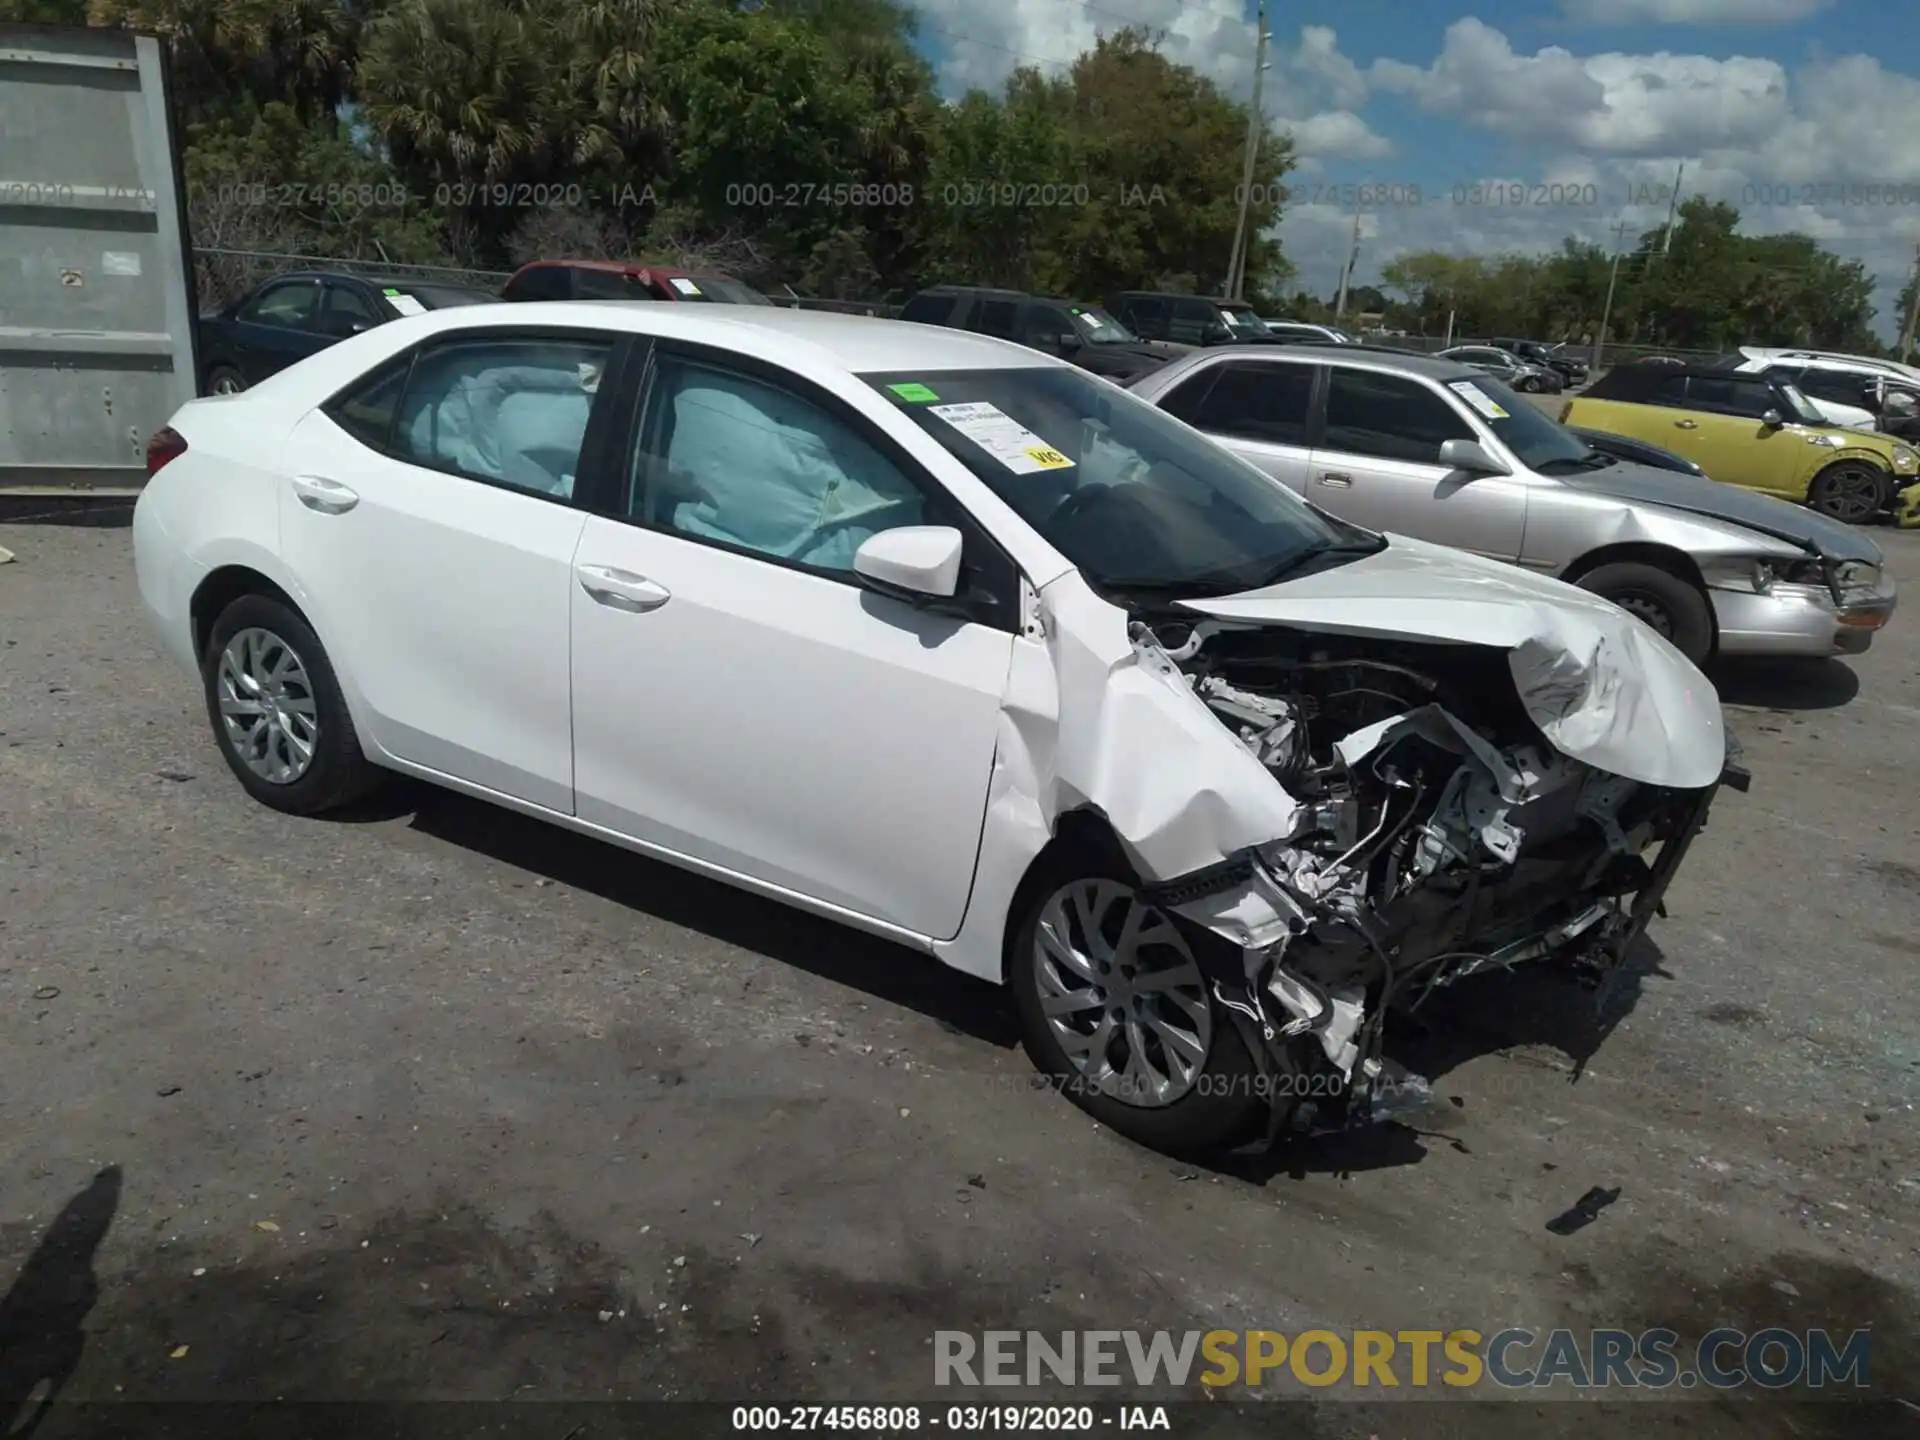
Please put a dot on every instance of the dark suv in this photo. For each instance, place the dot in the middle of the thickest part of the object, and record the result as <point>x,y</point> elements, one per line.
<point>1189,319</point>
<point>1083,334</point>
<point>1554,357</point>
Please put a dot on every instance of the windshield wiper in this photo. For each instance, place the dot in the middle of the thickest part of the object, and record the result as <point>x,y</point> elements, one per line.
<point>1592,460</point>
<point>1300,560</point>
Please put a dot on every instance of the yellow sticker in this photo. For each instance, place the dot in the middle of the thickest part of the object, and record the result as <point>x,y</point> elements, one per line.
<point>1048,459</point>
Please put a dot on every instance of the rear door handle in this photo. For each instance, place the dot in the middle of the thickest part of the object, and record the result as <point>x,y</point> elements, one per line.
<point>1686,425</point>
<point>622,589</point>
<point>329,497</point>
<point>1336,479</point>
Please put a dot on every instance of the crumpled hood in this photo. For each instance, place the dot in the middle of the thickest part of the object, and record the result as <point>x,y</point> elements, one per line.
<point>1603,688</point>
<point>1698,496</point>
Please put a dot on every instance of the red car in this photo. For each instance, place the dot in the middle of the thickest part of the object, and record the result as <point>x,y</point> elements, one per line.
<point>623,280</point>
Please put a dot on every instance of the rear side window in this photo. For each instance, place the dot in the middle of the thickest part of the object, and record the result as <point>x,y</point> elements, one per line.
<point>996,317</point>
<point>548,282</point>
<point>608,285</point>
<point>367,413</point>
<point>1257,401</point>
<point>507,412</point>
<point>930,309</point>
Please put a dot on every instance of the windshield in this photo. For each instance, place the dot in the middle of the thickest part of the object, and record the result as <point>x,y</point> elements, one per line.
<point>1097,327</point>
<point>1799,409</point>
<point>1241,319</point>
<point>1536,442</point>
<point>1134,499</point>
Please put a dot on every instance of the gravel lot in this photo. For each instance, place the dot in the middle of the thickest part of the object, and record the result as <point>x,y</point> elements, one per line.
<point>436,1101</point>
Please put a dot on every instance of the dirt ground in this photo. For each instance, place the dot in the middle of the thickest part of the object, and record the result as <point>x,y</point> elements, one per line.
<point>438,1102</point>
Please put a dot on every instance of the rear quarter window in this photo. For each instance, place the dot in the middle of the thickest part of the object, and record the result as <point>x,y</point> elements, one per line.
<point>930,309</point>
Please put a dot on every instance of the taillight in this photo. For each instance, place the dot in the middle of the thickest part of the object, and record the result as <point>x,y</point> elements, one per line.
<point>167,444</point>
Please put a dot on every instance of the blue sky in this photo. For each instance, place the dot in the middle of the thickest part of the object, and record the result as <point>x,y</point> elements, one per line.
<point>1578,111</point>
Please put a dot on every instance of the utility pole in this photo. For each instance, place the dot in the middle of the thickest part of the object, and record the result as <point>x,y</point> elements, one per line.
<point>1673,208</point>
<point>1256,126</point>
<point>1346,273</point>
<point>1613,276</point>
<point>1913,311</point>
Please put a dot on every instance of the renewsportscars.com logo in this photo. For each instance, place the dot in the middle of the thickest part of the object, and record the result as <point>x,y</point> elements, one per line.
<point>1512,1359</point>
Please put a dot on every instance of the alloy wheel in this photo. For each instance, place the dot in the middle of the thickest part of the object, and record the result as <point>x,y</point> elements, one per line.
<point>1851,493</point>
<point>1121,993</point>
<point>227,384</point>
<point>267,706</point>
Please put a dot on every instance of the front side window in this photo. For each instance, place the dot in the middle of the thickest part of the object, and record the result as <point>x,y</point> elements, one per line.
<point>1132,498</point>
<point>1723,395</point>
<point>348,312</point>
<point>543,282</point>
<point>609,285</point>
<point>510,412</point>
<point>996,318</point>
<point>731,458</point>
<point>1389,417</point>
<point>1044,325</point>
<point>292,306</point>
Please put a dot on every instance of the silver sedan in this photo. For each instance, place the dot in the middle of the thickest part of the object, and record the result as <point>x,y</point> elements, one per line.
<point>1431,448</point>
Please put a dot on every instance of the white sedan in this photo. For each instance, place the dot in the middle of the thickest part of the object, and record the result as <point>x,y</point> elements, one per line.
<point>950,641</point>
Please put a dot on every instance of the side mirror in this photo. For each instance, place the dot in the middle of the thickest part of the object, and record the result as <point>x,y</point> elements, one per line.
<point>1471,456</point>
<point>1773,419</point>
<point>1067,341</point>
<point>911,562</point>
<point>1900,405</point>
<point>1215,334</point>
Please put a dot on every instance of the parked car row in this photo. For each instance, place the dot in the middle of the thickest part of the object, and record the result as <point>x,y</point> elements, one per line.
<point>298,314</point>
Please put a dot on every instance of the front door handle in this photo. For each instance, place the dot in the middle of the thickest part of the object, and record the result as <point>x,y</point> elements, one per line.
<point>622,589</point>
<point>1686,425</point>
<point>329,497</point>
<point>1336,479</point>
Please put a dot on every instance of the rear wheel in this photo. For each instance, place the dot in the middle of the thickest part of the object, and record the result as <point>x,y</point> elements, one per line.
<point>1659,599</point>
<point>225,380</point>
<point>1853,491</point>
<point>277,711</point>
<point>1116,1011</point>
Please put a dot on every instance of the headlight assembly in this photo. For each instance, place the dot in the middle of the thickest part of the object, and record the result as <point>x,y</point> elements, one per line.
<point>1856,573</point>
<point>1905,459</point>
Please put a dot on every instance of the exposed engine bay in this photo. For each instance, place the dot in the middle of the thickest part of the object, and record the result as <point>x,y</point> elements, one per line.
<point>1439,835</point>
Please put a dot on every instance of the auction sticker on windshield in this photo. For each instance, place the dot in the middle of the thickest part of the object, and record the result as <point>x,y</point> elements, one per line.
<point>684,286</point>
<point>913,394</point>
<point>405,304</point>
<point>1478,399</point>
<point>1003,437</point>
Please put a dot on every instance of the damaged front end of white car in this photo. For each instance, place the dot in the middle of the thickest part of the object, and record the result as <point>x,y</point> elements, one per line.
<point>1460,769</point>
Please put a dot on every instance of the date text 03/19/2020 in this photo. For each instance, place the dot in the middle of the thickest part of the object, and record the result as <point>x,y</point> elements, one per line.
<point>952,1419</point>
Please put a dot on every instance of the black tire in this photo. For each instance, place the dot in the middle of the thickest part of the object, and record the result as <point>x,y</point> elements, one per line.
<point>1660,599</point>
<point>339,772</point>
<point>1851,491</point>
<point>225,380</point>
<point>1225,1102</point>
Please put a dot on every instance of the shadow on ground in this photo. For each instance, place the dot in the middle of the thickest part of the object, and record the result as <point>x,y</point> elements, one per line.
<point>834,952</point>
<point>43,1314</point>
<point>1785,685</point>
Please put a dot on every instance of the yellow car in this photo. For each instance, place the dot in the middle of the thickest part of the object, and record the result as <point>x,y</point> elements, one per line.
<point>1756,432</point>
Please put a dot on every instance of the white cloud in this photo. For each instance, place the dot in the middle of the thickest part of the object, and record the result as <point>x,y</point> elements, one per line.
<point>1692,12</point>
<point>1606,102</point>
<point>1338,134</point>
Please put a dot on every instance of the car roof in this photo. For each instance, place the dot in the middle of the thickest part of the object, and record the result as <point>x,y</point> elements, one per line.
<point>795,339</point>
<point>1358,357</point>
<point>944,289</point>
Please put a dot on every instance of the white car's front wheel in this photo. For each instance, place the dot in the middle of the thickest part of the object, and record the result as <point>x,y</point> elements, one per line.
<point>1115,1009</point>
